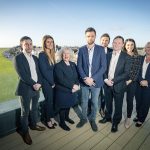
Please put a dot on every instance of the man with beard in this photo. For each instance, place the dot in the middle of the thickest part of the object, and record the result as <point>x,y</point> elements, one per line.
<point>91,65</point>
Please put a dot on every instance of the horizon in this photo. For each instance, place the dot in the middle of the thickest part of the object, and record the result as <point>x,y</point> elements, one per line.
<point>67,20</point>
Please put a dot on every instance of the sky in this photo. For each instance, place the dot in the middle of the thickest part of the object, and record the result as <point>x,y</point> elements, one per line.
<point>67,20</point>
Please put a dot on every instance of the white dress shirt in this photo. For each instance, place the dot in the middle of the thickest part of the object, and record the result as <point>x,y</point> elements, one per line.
<point>90,52</point>
<point>113,64</point>
<point>144,68</point>
<point>31,65</point>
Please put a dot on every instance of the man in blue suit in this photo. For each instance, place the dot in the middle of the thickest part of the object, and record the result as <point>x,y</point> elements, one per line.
<point>91,65</point>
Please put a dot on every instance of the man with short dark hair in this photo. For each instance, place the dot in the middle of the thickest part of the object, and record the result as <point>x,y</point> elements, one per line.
<point>118,66</point>
<point>30,81</point>
<point>91,65</point>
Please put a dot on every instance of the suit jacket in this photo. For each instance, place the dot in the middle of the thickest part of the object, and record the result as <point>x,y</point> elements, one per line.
<point>98,64</point>
<point>109,50</point>
<point>46,69</point>
<point>147,75</point>
<point>121,72</point>
<point>25,85</point>
<point>63,80</point>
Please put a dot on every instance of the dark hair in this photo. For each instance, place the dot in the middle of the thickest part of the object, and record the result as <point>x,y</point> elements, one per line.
<point>90,29</point>
<point>134,50</point>
<point>119,37</point>
<point>105,35</point>
<point>25,38</point>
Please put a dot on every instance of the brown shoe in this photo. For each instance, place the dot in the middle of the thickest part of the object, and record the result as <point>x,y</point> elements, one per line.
<point>26,137</point>
<point>38,128</point>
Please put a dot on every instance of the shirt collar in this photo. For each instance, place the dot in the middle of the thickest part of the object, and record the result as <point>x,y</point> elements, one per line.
<point>26,54</point>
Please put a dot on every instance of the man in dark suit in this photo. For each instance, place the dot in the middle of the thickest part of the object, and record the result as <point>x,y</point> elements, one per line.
<point>26,66</point>
<point>104,42</point>
<point>118,67</point>
<point>91,65</point>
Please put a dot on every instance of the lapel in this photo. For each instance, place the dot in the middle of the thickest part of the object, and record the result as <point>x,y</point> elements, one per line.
<point>86,55</point>
<point>25,63</point>
<point>94,56</point>
<point>119,62</point>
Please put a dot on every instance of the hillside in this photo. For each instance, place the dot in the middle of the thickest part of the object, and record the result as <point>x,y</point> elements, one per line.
<point>8,78</point>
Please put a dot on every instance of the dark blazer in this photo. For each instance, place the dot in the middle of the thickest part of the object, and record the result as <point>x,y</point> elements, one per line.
<point>46,69</point>
<point>63,80</point>
<point>109,50</point>
<point>98,63</point>
<point>25,85</point>
<point>121,72</point>
<point>147,75</point>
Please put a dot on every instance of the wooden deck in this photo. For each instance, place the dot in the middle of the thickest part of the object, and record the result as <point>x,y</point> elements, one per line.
<point>84,138</point>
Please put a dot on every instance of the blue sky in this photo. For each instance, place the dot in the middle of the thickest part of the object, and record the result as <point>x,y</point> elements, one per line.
<point>66,20</point>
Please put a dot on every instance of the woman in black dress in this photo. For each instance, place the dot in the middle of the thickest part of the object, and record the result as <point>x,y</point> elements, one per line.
<point>67,85</point>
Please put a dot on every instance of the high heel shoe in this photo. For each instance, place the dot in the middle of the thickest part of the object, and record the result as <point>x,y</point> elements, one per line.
<point>50,126</point>
<point>54,124</point>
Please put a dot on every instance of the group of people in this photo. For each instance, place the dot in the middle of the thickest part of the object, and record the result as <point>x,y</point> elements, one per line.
<point>101,76</point>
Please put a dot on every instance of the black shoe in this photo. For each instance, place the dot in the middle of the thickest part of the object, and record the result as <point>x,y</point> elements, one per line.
<point>38,128</point>
<point>25,136</point>
<point>102,113</point>
<point>70,121</point>
<point>135,119</point>
<point>104,120</point>
<point>138,124</point>
<point>114,128</point>
<point>81,123</point>
<point>64,126</point>
<point>93,126</point>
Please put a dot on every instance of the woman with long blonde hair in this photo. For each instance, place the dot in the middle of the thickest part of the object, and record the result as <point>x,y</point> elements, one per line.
<point>46,63</point>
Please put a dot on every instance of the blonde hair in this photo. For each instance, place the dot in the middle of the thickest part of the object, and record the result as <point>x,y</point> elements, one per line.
<point>59,54</point>
<point>51,53</point>
<point>146,44</point>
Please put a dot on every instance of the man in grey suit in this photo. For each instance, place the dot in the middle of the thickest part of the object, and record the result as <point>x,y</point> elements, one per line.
<point>26,66</point>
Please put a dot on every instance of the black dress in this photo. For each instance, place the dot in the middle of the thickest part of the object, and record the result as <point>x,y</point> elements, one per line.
<point>65,77</point>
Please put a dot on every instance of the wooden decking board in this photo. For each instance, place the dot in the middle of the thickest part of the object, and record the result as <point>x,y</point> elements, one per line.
<point>84,138</point>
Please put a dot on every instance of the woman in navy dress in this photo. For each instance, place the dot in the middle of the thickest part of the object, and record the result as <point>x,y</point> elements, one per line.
<point>67,85</point>
<point>143,90</point>
<point>46,63</point>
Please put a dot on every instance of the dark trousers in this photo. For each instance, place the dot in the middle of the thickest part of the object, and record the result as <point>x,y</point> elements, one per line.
<point>49,102</point>
<point>110,94</point>
<point>64,114</point>
<point>131,89</point>
<point>143,102</point>
<point>29,112</point>
<point>102,99</point>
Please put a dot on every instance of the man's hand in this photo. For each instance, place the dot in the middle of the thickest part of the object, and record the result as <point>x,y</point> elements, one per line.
<point>89,81</point>
<point>36,86</point>
<point>109,82</point>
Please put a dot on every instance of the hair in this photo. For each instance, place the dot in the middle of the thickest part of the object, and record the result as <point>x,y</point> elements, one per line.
<point>119,37</point>
<point>51,53</point>
<point>134,49</point>
<point>146,44</point>
<point>90,29</point>
<point>60,53</point>
<point>23,39</point>
<point>105,35</point>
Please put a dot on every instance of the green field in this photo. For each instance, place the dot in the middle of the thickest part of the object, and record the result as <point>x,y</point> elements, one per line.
<point>8,78</point>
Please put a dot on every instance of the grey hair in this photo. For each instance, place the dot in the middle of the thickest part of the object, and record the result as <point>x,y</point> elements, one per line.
<point>59,54</point>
